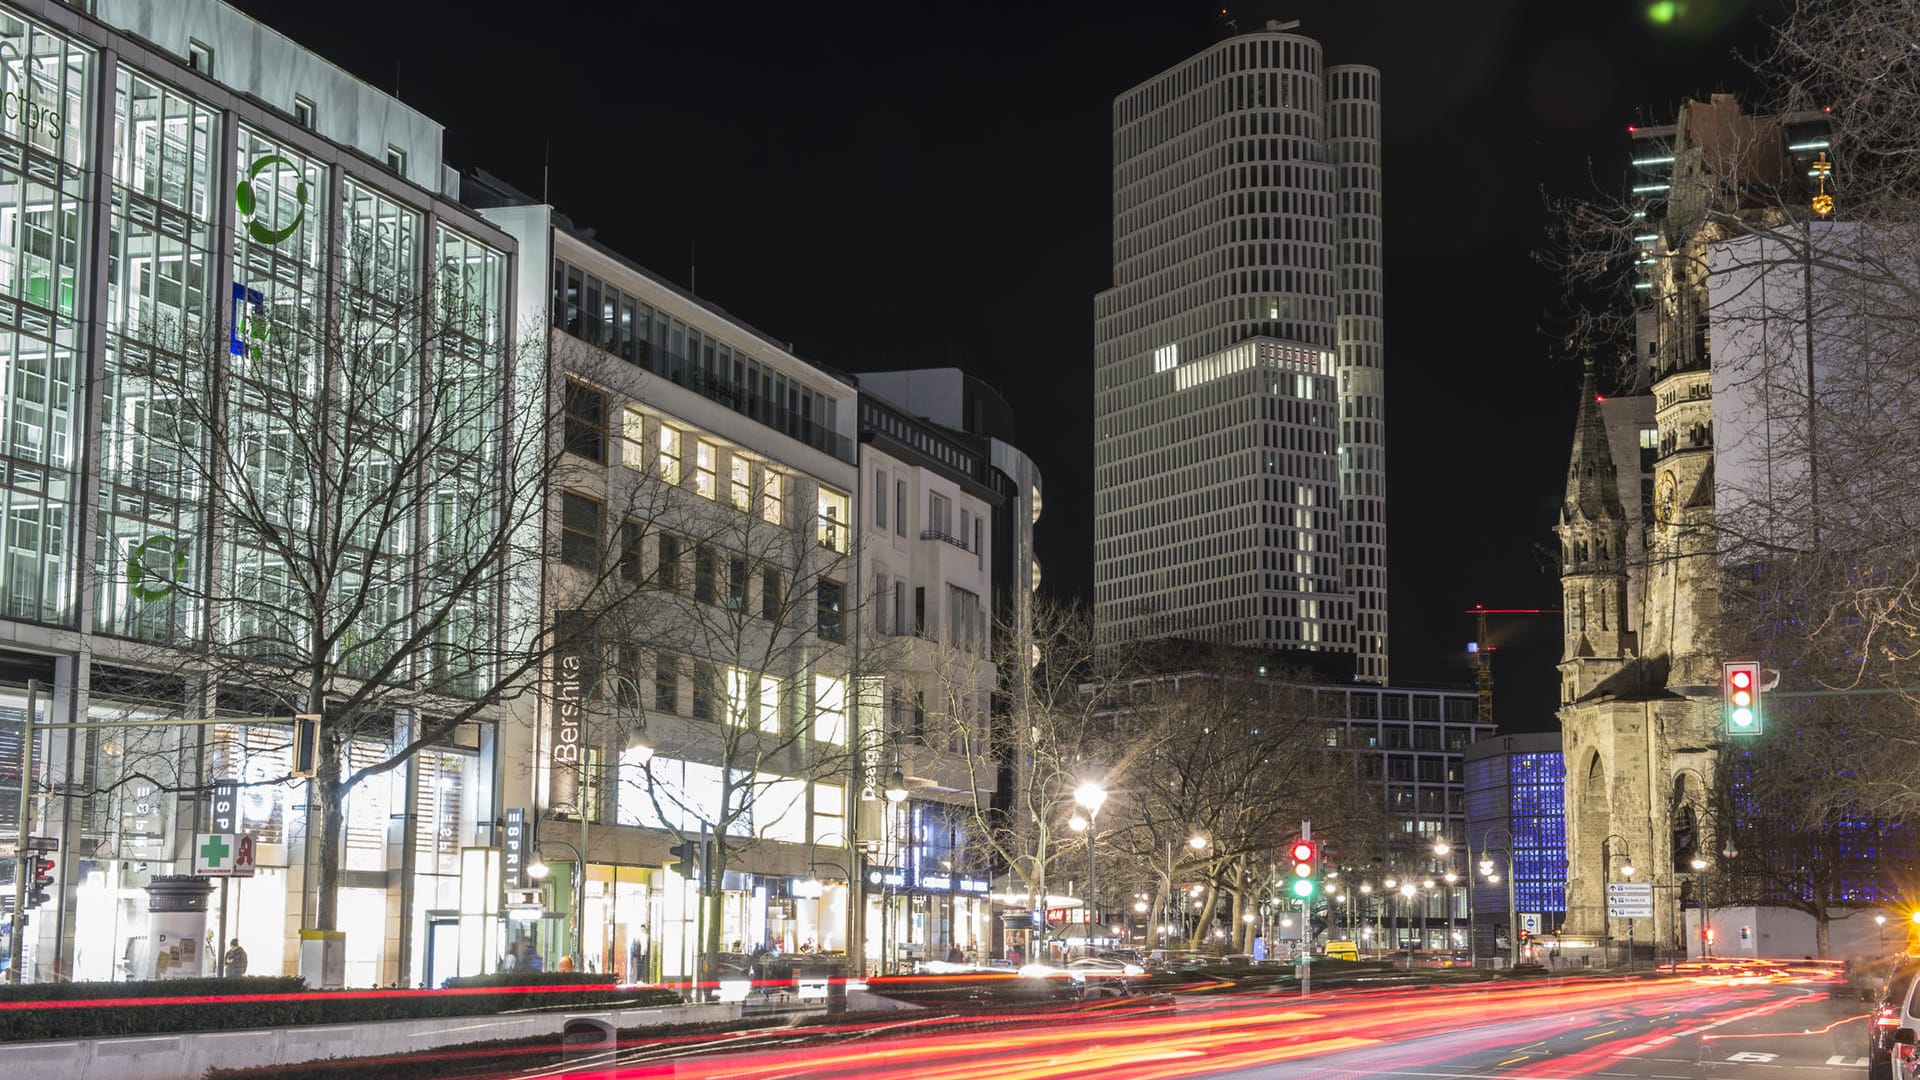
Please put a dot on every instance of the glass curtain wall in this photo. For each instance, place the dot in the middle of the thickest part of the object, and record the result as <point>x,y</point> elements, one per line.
<point>44,188</point>
<point>273,363</point>
<point>158,307</point>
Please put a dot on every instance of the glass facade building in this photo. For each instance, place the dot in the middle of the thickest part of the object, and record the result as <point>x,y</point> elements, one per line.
<point>1517,815</point>
<point>184,265</point>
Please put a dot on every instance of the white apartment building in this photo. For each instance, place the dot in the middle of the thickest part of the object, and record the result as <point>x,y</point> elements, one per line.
<point>1239,373</point>
<point>705,533</point>
<point>926,552</point>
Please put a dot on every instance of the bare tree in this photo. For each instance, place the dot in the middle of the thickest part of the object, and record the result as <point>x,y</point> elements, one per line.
<point>1237,759</point>
<point>370,470</point>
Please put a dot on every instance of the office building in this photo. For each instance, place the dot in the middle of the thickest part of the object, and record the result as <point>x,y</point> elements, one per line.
<point>198,210</point>
<point>1517,829</point>
<point>1239,362</point>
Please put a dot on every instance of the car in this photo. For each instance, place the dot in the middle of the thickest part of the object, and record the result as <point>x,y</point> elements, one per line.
<point>1103,976</point>
<point>1891,1015</point>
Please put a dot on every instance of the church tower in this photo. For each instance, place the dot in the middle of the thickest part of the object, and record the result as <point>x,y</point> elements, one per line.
<point>1593,529</point>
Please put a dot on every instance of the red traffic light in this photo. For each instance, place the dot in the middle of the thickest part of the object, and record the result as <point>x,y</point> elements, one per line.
<point>1302,851</point>
<point>1741,678</point>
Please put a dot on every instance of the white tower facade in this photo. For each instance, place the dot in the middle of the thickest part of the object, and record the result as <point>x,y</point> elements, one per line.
<point>1239,384</point>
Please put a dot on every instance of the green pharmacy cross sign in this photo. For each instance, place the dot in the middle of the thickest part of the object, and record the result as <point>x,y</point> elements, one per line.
<point>215,851</point>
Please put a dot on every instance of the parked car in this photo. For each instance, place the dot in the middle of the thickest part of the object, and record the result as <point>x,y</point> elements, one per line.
<point>1893,1014</point>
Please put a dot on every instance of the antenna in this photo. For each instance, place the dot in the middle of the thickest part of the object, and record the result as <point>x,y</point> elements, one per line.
<point>693,267</point>
<point>546,170</point>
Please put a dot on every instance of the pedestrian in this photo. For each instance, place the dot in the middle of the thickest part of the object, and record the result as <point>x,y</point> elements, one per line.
<point>955,956</point>
<point>566,963</point>
<point>236,959</point>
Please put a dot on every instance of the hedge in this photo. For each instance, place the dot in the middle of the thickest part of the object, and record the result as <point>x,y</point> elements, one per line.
<point>108,1009</point>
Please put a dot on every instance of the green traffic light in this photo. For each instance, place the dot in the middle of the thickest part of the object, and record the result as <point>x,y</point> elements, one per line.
<point>1743,718</point>
<point>1303,888</point>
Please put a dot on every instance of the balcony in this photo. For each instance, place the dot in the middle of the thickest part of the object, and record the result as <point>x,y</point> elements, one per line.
<point>936,534</point>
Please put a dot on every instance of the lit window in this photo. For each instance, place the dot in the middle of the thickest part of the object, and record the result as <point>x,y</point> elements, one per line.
<point>669,455</point>
<point>742,477</point>
<point>829,814</point>
<point>773,496</point>
<point>830,710</point>
<point>706,466</point>
<point>743,704</point>
<point>833,520</point>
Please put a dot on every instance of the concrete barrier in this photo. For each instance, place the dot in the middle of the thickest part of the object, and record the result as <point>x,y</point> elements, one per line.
<point>189,1055</point>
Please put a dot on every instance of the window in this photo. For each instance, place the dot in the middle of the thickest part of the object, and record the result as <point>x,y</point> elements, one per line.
<point>303,112</point>
<point>899,608</point>
<point>833,520</point>
<point>829,599</point>
<point>939,515</point>
<point>829,710</point>
<point>900,508</point>
<point>880,496</point>
<point>586,422</point>
<point>669,455</point>
<point>742,487</point>
<point>633,439</point>
<point>580,518</point>
<point>200,57</point>
<point>773,496</point>
<point>669,574</point>
<point>702,690</point>
<point>706,567</point>
<point>829,814</point>
<point>736,584</point>
<point>771,596</point>
<point>396,159</point>
<point>780,808</point>
<point>666,682</point>
<point>752,699</point>
<point>633,537</point>
<point>880,604</point>
<point>919,611</point>
<point>706,466</point>
<point>963,618</point>
<point>966,526</point>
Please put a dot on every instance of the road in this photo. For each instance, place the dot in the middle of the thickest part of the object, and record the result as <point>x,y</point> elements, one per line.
<point>1652,1029</point>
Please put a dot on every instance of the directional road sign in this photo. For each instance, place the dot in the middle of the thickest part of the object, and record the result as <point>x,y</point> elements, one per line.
<point>1630,900</point>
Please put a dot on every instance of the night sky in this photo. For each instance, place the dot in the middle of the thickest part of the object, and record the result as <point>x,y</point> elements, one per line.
<point>930,184</point>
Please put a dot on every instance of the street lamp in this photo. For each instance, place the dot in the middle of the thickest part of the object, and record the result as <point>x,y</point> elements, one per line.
<point>1090,797</point>
<point>1407,892</point>
<point>1487,868</point>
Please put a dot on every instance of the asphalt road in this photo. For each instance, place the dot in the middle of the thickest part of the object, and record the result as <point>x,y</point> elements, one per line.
<point>1650,1029</point>
<point>1783,1031</point>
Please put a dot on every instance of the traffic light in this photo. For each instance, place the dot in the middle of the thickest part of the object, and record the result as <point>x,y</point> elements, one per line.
<point>1525,935</point>
<point>1740,692</point>
<point>686,856</point>
<point>39,880</point>
<point>1306,867</point>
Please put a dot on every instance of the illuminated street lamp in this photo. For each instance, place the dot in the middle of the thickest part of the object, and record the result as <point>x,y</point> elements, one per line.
<point>1090,796</point>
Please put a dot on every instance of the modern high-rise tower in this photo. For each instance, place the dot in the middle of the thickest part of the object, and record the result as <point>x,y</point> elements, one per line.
<point>1239,383</point>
